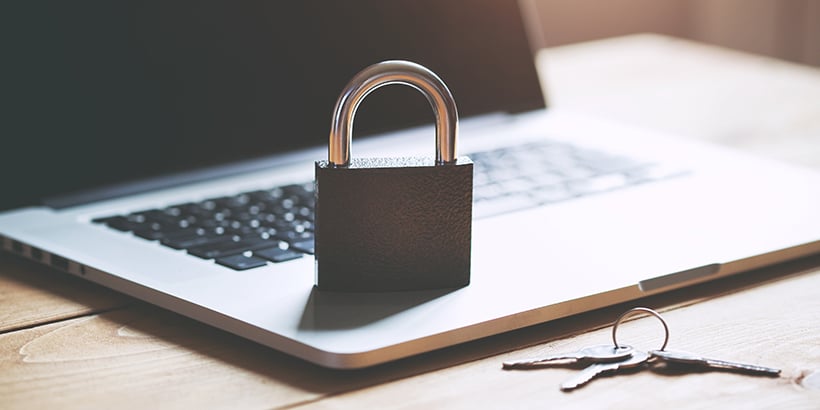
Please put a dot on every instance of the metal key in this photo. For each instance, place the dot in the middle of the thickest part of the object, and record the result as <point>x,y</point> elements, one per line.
<point>637,359</point>
<point>690,358</point>
<point>597,354</point>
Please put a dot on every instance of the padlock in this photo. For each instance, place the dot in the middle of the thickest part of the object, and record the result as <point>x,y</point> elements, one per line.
<point>393,224</point>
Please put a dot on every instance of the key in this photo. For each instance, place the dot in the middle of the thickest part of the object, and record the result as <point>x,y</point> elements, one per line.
<point>277,254</point>
<point>690,358</point>
<point>637,359</point>
<point>241,262</point>
<point>597,354</point>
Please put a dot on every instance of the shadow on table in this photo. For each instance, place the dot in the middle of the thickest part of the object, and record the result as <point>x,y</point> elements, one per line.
<point>349,310</point>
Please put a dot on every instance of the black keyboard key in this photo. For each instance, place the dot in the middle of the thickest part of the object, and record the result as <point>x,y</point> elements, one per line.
<point>240,201</point>
<point>149,234</point>
<point>291,236</point>
<point>277,254</point>
<point>241,262</point>
<point>228,248</point>
<point>194,241</point>
<point>119,223</point>
<point>105,219</point>
<point>175,233</point>
<point>300,190</point>
<point>216,250</point>
<point>153,217</point>
<point>303,246</point>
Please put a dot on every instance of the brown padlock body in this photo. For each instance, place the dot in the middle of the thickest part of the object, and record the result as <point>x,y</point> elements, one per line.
<point>391,224</point>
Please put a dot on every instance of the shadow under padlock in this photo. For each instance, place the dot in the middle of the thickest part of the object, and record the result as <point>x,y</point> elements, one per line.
<point>389,224</point>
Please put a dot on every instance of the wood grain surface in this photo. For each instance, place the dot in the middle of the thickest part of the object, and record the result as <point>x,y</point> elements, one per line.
<point>32,294</point>
<point>65,343</point>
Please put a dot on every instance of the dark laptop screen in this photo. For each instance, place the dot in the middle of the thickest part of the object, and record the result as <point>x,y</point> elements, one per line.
<point>107,91</point>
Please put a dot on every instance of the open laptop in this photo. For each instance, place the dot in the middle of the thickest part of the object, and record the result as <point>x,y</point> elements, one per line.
<point>166,150</point>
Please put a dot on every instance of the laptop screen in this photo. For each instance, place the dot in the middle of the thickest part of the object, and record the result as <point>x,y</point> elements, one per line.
<point>102,92</point>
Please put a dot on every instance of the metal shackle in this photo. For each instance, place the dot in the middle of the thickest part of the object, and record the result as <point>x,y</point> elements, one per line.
<point>386,73</point>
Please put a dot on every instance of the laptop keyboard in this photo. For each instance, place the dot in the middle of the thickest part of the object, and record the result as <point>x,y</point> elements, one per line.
<point>255,228</point>
<point>539,173</point>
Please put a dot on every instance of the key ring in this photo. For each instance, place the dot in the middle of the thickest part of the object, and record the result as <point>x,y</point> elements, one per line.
<point>633,311</point>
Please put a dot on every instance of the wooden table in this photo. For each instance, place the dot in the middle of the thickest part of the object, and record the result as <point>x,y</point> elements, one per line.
<point>70,344</point>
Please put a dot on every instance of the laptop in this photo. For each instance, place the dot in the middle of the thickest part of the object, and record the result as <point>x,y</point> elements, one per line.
<point>166,150</point>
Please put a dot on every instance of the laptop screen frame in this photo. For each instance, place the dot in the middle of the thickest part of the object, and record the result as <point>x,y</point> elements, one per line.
<point>65,98</point>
